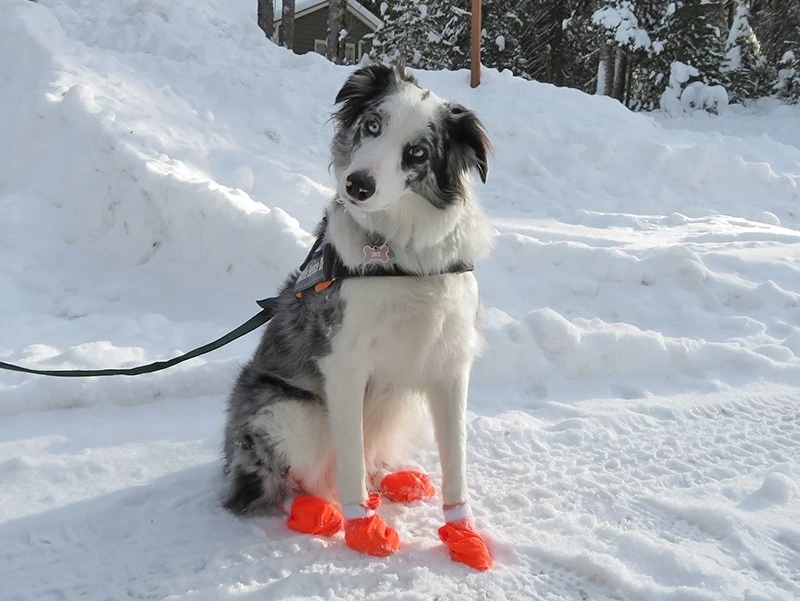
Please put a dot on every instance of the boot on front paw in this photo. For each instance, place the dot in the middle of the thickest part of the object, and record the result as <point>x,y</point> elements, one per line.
<point>463,541</point>
<point>366,532</point>
<point>407,486</point>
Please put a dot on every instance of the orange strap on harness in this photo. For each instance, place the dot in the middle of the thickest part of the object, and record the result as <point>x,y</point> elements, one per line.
<point>318,287</point>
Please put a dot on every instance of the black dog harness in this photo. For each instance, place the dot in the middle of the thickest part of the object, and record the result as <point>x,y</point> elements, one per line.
<point>323,266</point>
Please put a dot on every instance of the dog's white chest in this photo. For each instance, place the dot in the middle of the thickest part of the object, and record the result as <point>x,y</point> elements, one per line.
<point>407,331</point>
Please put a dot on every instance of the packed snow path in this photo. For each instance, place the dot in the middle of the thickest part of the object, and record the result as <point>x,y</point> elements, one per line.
<point>635,428</point>
<point>600,500</point>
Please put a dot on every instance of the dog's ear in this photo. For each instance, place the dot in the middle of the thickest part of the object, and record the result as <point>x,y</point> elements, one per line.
<point>468,133</point>
<point>401,72</point>
<point>363,87</point>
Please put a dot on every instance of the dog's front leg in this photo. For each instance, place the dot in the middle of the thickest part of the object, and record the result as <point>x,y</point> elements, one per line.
<point>364,530</point>
<point>448,404</point>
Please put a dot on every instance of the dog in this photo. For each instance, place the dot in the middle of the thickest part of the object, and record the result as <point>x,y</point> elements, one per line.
<point>316,415</point>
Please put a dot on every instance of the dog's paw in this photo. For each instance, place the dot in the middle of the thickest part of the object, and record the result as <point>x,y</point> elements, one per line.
<point>372,536</point>
<point>407,486</point>
<point>312,515</point>
<point>466,545</point>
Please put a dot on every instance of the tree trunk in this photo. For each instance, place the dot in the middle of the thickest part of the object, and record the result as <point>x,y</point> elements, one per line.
<point>335,41</point>
<point>620,72</point>
<point>287,24</point>
<point>604,73</point>
<point>557,44</point>
<point>266,17</point>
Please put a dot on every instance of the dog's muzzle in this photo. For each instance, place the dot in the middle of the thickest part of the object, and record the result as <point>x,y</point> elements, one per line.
<point>359,185</point>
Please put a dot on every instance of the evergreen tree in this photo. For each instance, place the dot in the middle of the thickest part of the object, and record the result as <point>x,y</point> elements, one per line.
<point>687,32</point>
<point>580,47</point>
<point>749,46</point>
<point>694,37</point>
<point>545,41</point>
<point>746,71</point>
<point>777,25</point>
<point>428,36</point>
<point>787,83</point>
<point>502,36</point>
<point>619,33</point>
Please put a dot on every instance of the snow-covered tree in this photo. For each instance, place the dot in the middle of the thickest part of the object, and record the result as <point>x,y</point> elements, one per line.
<point>787,84</point>
<point>429,35</point>
<point>436,35</point>
<point>693,36</point>
<point>619,34</point>
<point>687,32</point>
<point>746,70</point>
<point>623,48</point>
<point>502,36</point>
<point>777,25</point>
<point>547,51</point>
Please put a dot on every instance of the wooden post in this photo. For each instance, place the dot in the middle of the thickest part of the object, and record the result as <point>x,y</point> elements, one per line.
<point>475,50</point>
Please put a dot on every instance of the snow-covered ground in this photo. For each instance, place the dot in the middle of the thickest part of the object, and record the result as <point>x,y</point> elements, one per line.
<point>635,426</point>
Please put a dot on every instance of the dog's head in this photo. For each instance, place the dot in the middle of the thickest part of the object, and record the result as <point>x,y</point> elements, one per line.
<point>395,139</point>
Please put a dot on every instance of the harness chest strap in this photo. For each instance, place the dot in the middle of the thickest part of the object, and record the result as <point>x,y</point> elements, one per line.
<point>323,266</point>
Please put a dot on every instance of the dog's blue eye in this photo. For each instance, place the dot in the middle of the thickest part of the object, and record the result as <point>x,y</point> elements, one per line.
<point>372,127</point>
<point>417,153</point>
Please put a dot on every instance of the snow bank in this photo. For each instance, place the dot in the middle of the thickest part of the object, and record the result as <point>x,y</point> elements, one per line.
<point>164,164</point>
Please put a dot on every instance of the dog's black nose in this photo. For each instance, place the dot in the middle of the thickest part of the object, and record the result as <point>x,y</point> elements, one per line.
<point>360,185</point>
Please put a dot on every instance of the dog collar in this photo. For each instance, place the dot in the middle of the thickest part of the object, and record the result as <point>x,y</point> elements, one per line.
<point>323,266</point>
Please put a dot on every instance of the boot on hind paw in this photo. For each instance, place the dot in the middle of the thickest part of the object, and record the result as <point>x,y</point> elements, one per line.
<point>407,486</point>
<point>313,515</point>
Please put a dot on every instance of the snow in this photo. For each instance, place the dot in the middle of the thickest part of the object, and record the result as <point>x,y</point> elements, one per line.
<point>634,418</point>
<point>696,96</point>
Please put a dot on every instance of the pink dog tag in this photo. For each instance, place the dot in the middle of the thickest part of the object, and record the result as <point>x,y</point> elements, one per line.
<point>377,254</point>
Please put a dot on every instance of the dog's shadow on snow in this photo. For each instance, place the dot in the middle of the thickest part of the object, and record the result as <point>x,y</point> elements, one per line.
<point>172,537</point>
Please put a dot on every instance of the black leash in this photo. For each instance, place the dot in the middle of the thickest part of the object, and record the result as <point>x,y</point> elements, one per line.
<point>321,267</point>
<point>267,312</point>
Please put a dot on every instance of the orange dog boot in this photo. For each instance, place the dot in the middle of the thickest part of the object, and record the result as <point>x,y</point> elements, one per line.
<point>407,486</point>
<point>366,532</point>
<point>312,515</point>
<point>464,543</point>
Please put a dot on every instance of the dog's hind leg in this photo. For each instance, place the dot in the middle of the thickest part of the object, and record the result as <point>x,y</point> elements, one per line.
<point>244,492</point>
<point>256,477</point>
<point>312,515</point>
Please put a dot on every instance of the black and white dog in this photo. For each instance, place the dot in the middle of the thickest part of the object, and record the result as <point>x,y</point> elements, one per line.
<point>316,416</point>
